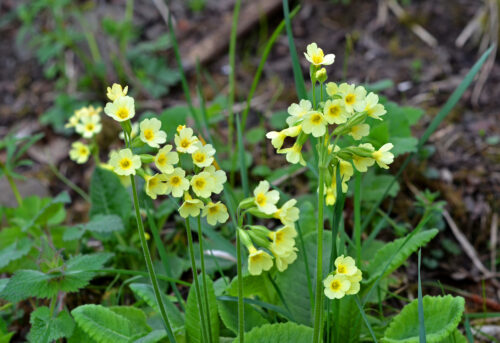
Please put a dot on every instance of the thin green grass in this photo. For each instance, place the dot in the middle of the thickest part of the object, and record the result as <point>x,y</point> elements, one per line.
<point>421,319</point>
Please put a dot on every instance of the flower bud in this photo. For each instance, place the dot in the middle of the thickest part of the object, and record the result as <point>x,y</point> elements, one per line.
<point>321,75</point>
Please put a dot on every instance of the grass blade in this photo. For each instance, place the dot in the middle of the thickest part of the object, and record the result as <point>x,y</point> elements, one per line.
<point>421,319</point>
<point>445,110</point>
<point>365,319</point>
<point>241,153</point>
<point>297,70</point>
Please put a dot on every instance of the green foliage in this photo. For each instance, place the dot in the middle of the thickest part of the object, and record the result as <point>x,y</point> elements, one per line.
<point>108,195</point>
<point>46,329</point>
<point>442,315</point>
<point>15,147</point>
<point>173,117</point>
<point>193,325</point>
<point>279,333</point>
<point>228,311</point>
<point>105,325</point>
<point>101,224</point>
<point>70,277</point>
<point>15,251</point>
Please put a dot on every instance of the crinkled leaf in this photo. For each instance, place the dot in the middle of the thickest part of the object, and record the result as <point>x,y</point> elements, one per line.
<point>45,329</point>
<point>134,315</point>
<point>15,251</point>
<point>108,195</point>
<point>104,223</point>
<point>442,316</point>
<point>193,315</point>
<point>279,333</point>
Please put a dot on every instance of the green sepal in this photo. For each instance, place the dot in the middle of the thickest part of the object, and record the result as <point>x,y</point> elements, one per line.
<point>247,203</point>
<point>146,159</point>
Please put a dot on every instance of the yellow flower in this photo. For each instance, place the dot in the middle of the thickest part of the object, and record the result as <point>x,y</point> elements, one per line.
<point>354,280</point>
<point>277,138</point>
<point>346,170</point>
<point>185,141</point>
<point>124,179</point>
<point>265,199</point>
<point>336,286</point>
<point>351,96</point>
<point>203,156</point>
<point>362,163</point>
<point>359,131</point>
<point>283,260</point>
<point>345,265</point>
<point>297,111</point>
<point>72,121</point>
<point>334,112</point>
<point>371,106</point>
<point>201,185</point>
<point>155,185</point>
<point>288,214</point>
<point>383,157</point>
<point>215,213</point>
<point>293,154</point>
<point>321,75</point>
<point>218,178</point>
<point>124,162</point>
<point>283,239</point>
<point>331,88</point>
<point>151,133</point>
<point>116,91</point>
<point>79,152</point>
<point>177,184</point>
<point>165,159</point>
<point>89,126</point>
<point>314,123</point>
<point>190,207</point>
<point>93,111</point>
<point>258,261</point>
<point>331,195</point>
<point>316,56</point>
<point>121,109</point>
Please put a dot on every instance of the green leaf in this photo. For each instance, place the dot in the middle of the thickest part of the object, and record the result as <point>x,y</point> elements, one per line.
<point>455,337</point>
<point>134,315</point>
<point>108,195</point>
<point>45,329</point>
<point>403,145</point>
<point>375,185</point>
<point>48,210</point>
<point>5,338</point>
<point>349,320</point>
<point>153,337</point>
<point>228,311</point>
<point>378,263</point>
<point>75,274</point>
<point>193,315</point>
<point>253,285</point>
<point>104,223</point>
<point>15,251</point>
<point>105,325</point>
<point>171,118</point>
<point>442,316</point>
<point>279,333</point>
<point>146,293</point>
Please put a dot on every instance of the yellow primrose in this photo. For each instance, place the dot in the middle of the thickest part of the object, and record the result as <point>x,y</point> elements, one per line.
<point>258,261</point>
<point>151,133</point>
<point>283,240</point>
<point>124,162</point>
<point>362,163</point>
<point>321,75</point>
<point>288,214</point>
<point>165,159</point>
<point>314,123</point>
<point>72,121</point>
<point>351,96</point>
<point>121,109</point>
<point>336,286</point>
<point>93,111</point>
<point>332,89</point>
<point>346,170</point>
<point>156,185</point>
<point>124,179</point>
<point>79,152</point>
<point>278,138</point>
<point>265,199</point>
<point>297,111</point>
<point>203,156</point>
<point>283,260</point>
<point>218,178</point>
<point>371,106</point>
<point>177,184</point>
<point>354,280</point>
<point>331,195</point>
<point>201,185</point>
<point>89,126</point>
<point>293,154</point>
<point>215,213</point>
<point>116,91</point>
<point>345,265</point>
<point>190,207</point>
<point>316,56</point>
<point>383,157</point>
<point>334,112</point>
<point>359,131</point>
<point>185,141</point>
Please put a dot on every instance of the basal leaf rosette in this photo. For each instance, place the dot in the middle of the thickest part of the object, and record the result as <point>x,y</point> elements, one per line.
<point>442,315</point>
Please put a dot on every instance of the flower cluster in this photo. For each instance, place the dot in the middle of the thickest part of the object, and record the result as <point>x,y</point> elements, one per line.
<point>344,280</point>
<point>346,111</point>
<point>87,122</point>
<point>280,242</point>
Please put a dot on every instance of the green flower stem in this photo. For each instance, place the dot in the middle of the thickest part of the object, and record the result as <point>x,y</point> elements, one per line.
<point>149,264</point>
<point>13,186</point>
<point>318,307</point>
<point>241,312</point>
<point>53,302</point>
<point>204,279</point>
<point>196,282</point>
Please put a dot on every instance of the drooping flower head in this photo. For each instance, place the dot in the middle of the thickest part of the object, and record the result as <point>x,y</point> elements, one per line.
<point>383,156</point>
<point>156,185</point>
<point>215,212</point>
<point>190,207</point>
<point>258,261</point>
